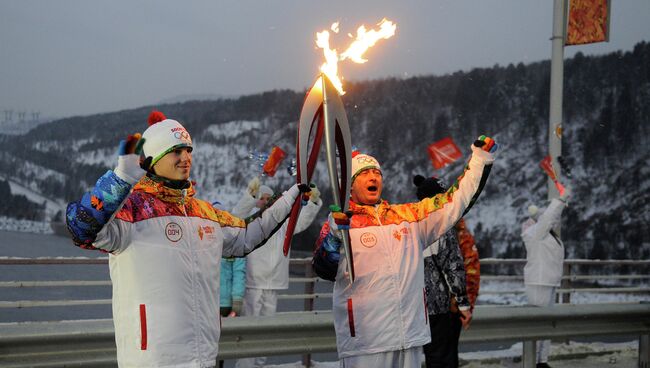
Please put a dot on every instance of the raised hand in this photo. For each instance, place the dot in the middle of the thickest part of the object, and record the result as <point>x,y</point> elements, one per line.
<point>566,194</point>
<point>487,144</point>
<point>128,160</point>
<point>253,187</point>
<point>309,193</point>
<point>338,220</point>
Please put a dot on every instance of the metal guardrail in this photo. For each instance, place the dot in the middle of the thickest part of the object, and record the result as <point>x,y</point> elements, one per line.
<point>309,280</point>
<point>90,343</point>
<point>246,336</point>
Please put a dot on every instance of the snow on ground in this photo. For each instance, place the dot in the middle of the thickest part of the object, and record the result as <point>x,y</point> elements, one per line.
<point>569,355</point>
<point>490,294</point>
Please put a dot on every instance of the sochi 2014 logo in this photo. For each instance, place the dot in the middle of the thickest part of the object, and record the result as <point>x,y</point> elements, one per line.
<point>184,136</point>
<point>173,232</point>
<point>181,134</point>
<point>368,240</point>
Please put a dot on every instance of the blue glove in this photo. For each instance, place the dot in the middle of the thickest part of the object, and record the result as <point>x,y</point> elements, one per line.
<point>338,221</point>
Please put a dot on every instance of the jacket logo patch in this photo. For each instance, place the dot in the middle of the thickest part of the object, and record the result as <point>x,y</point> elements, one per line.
<point>173,232</point>
<point>397,234</point>
<point>368,240</point>
<point>209,230</point>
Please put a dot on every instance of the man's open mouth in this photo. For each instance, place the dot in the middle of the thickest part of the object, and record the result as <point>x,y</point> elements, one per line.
<point>372,188</point>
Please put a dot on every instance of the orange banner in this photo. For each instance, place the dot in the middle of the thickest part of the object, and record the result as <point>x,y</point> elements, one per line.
<point>274,160</point>
<point>588,22</point>
<point>443,152</point>
<point>547,166</point>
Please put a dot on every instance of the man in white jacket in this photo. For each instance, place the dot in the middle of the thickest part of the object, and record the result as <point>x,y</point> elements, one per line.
<point>164,248</point>
<point>381,319</point>
<point>544,260</point>
<point>267,269</point>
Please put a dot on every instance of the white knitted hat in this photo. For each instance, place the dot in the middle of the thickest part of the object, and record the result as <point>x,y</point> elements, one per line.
<point>361,162</point>
<point>163,136</point>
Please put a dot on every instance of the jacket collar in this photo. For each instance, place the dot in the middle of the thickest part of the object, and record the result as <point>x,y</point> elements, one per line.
<point>360,209</point>
<point>163,192</point>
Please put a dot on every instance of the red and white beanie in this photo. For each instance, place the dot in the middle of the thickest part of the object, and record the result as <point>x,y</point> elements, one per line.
<point>361,162</point>
<point>163,136</point>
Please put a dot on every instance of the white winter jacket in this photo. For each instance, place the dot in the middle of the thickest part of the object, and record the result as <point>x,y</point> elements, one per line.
<point>267,267</point>
<point>385,308</point>
<point>165,251</point>
<point>544,251</point>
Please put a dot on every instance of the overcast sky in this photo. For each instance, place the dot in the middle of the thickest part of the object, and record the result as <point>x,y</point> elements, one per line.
<point>80,57</point>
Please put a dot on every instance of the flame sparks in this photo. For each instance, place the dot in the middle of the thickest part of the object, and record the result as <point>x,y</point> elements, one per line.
<point>363,41</point>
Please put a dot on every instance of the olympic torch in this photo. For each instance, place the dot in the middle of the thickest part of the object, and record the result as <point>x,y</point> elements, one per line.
<point>323,114</point>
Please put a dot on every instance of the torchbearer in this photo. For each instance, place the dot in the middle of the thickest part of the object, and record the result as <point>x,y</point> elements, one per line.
<point>544,259</point>
<point>381,319</point>
<point>165,248</point>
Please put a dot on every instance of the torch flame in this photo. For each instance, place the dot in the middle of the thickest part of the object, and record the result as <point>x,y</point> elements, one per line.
<point>363,41</point>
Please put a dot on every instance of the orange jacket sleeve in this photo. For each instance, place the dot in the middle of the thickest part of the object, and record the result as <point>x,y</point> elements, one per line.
<point>472,265</point>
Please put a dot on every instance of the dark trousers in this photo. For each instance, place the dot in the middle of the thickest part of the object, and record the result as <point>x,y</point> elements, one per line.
<point>442,351</point>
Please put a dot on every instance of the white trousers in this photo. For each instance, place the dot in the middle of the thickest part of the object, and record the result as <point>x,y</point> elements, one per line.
<point>258,302</point>
<point>409,358</point>
<point>541,296</point>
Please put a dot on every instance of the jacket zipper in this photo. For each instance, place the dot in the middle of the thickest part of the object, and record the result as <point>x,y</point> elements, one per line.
<point>196,328</point>
<point>401,327</point>
<point>183,197</point>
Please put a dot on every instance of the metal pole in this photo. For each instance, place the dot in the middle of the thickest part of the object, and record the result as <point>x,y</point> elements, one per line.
<point>529,358</point>
<point>644,351</point>
<point>557,81</point>
<point>566,284</point>
<point>309,306</point>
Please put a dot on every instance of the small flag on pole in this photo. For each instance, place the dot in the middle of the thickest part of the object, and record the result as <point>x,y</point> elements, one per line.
<point>443,152</point>
<point>588,22</point>
<point>547,166</point>
<point>274,160</point>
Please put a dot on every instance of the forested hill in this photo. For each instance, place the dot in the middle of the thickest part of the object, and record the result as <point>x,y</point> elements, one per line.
<point>605,144</point>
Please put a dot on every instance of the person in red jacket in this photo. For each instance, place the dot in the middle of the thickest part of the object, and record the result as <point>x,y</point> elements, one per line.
<point>472,264</point>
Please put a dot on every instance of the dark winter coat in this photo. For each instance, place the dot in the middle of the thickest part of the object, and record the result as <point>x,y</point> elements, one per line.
<point>444,272</point>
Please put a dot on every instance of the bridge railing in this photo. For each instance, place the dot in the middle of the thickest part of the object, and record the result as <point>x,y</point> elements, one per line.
<point>91,343</point>
<point>571,282</point>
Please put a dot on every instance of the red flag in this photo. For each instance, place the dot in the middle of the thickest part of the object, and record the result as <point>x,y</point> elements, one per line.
<point>588,22</point>
<point>443,152</point>
<point>274,160</point>
<point>547,166</point>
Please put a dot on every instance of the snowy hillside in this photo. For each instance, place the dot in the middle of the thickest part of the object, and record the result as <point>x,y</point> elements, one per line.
<point>605,144</point>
